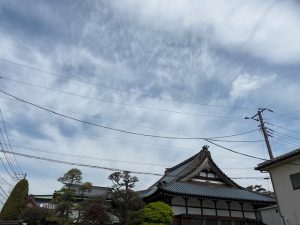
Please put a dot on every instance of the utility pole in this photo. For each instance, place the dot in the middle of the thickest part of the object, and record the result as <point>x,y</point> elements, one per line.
<point>263,127</point>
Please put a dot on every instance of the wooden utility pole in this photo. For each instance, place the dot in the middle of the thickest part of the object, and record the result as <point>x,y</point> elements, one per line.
<point>263,128</point>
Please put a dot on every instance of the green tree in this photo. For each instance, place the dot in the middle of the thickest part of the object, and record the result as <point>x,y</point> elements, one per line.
<point>16,202</point>
<point>83,189</point>
<point>66,196</point>
<point>124,199</point>
<point>73,176</point>
<point>157,213</point>
<point>256,188</point>
<point>123,180</point>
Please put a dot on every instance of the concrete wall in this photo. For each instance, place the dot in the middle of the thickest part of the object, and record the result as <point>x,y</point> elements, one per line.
<point>288,198</point>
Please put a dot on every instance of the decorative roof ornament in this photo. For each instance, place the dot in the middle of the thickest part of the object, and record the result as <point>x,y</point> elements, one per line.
<point>205,148</point>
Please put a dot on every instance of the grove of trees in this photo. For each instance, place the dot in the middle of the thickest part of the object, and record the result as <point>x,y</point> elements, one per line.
<point>74,206</point>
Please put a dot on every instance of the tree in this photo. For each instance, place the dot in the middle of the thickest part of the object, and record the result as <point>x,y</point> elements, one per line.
<point>256,188</point>
<point>95,213</point>
<point>34,216</point>
<point>123,179</point>
<point>73,176</point>
<point>16,202</point>
<point>83,189</point>
<point>157,213</point>
<point>65,197</point>
<point>124,199</point>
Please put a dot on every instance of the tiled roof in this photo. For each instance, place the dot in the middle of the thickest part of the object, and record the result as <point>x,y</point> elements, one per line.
<point>280,158</point>
<point>214,191</point>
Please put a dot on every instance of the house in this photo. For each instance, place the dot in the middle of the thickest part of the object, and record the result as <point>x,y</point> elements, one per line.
<point>270,215</point>
<point>201,194</point>
<point>285,174</point>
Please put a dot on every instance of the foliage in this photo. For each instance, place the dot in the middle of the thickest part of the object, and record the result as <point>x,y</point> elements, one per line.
<point>124,199</point>
<point>73,176</point>
<point>124,202</point>
<point>16,202</point>
<point>95,213</point>
<point>66,196</point>
<point>122,179</point>
<point>34,216</point>
<point>136,217</point>
<point>157,213</point>
<point>256,188</point>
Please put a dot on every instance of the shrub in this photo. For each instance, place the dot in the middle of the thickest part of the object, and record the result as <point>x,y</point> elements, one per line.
<point>157,213</point>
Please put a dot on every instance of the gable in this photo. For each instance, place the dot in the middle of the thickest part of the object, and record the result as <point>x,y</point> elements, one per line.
<point>204,170</point>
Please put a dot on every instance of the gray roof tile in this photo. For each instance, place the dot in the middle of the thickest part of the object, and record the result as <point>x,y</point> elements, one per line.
<point>216,191</point>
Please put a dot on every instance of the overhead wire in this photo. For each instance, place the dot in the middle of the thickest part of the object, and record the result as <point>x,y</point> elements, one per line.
<point>284,128</point>
<point>116,129</point>
<point>9,144</point>
<point>123,103</point>
<point>96,166</point>
<point>115,89</point>
<point>7,156</point>
<point>109,119</point>
<point>102,159</point>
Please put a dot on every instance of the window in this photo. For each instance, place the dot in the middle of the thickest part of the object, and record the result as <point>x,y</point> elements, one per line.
<point>295,178</point>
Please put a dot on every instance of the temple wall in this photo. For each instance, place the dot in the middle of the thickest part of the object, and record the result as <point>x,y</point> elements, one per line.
<point>207,207</point>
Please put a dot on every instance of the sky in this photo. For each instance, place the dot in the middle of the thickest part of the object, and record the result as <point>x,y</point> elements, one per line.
<point>165,68</point>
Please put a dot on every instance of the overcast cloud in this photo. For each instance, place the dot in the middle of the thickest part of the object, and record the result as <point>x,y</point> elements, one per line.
<point>164,54</point>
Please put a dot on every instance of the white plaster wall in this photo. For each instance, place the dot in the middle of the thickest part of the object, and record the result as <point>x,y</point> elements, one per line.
<point>177,210</point>
<point>178,201</point>
<point>196,211</point>
<point>288,199</point>
<point>271,216</point>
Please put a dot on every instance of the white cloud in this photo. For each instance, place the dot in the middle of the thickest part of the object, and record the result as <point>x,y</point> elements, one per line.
<point>263,29</point>
<point>246,83</point>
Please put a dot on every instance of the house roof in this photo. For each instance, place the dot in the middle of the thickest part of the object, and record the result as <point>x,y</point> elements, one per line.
<point>178,180</point>
<point>216,191</point>
<point>278,159</point>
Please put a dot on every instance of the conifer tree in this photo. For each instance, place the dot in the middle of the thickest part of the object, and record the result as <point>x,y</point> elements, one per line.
<point>16,202</point>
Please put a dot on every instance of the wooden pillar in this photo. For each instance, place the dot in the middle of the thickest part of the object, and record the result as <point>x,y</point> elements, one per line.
<point>216,207</point>
<point>186,206</point>
<point>201,206</point>
<point>242,206</point>
<point>228,203</point>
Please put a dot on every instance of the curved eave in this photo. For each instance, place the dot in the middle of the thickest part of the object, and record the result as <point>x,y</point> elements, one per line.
<point>172,193</point>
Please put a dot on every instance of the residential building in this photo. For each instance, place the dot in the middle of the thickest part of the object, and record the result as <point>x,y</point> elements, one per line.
<point>285,174</point>
<point>270,215</point>
<point>201,194</point>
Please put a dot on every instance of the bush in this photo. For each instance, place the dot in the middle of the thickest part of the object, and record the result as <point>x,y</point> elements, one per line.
<point>16,202</point>
<point>34,216</point>
<point>157,213</point>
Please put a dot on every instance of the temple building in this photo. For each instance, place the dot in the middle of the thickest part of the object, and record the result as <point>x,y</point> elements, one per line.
<point>201,194</point>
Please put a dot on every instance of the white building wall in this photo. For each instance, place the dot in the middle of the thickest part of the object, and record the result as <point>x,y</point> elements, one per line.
<point>271,216</point>
<point>288,198</point>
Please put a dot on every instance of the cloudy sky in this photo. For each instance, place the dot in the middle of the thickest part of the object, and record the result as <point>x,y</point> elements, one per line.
<point>168,68</point>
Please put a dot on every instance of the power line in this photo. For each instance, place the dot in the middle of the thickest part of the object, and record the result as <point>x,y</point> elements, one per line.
<point>100,167</point>
<point>113,88</point>
<point>9,162</point>
<point>101,159</point>
<point>116,129</point>
<point>238,141</point>
<point>3,191</point>
<point>284,128</point>
<point>9,144</point>
<point>122,103</point>
<point>236,152</point>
